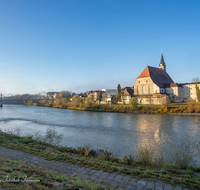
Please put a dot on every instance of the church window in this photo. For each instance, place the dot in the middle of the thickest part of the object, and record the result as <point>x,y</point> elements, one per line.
<point>143,90</point>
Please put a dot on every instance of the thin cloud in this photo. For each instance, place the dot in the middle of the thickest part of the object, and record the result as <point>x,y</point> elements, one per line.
<point>1,80</point>
<point>3,64</point>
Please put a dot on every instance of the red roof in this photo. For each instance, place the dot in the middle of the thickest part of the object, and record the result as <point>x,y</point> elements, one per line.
<point>158,76</point>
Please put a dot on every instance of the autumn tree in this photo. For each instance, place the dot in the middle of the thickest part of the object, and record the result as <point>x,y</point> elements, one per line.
<point>76,100</point>
<point>198,93</point>
<point>89,101</point>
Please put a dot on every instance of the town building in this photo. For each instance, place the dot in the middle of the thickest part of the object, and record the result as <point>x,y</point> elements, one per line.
<point>126,94</point>
<point>52,95</point>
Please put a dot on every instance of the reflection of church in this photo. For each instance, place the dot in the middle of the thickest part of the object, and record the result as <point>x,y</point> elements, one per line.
<point>153,84</point>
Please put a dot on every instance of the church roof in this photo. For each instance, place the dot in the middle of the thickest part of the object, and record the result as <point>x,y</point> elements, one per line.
<point>158,76</point>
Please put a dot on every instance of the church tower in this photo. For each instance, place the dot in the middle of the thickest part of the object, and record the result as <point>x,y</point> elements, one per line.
<point>162,64</point>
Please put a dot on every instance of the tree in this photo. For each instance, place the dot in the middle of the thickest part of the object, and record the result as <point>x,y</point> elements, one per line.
<point>99,97</point>
<point>196,79</point>
<point>119,89</point>
<point>115,99</point>
<point>89,101</point>
<point>133,102</point>
<point>76,100</point>
<point>198,93</point>
<point>119,92</point>
<point>165,101</point>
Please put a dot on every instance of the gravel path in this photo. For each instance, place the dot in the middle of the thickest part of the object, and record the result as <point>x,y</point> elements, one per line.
<point>114,180</point>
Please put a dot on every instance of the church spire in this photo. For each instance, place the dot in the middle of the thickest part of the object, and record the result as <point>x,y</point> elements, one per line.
<point>162,64</point>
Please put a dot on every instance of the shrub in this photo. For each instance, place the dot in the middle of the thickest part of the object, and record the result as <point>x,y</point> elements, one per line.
<point>197,109</point>
<point>52,137</point>
<point>190,109</point>
<point>128,160</point>
<point>133,102</point>
<point>183,154</point>
<point>145,154</point>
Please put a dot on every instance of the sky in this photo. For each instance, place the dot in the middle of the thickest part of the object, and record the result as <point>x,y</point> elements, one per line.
<point>81,45</point>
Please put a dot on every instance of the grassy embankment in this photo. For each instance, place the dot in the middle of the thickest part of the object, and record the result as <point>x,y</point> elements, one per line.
<point>22,173</point>
<point>183,107</point>
<point>144,164</point>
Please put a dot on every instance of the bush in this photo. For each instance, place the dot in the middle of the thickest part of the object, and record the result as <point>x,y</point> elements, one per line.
<point>133,102</point>
<point>197,109</point>
<point>145,154</point>
<point>190,109</point>
<point>52,137</point>
<point>183,154</point>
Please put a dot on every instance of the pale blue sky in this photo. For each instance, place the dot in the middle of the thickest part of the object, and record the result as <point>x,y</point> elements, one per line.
<point>80,45</point>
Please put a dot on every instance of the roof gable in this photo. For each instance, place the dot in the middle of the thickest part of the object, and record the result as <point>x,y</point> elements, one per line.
<point>145,73</point>
<point>158,76</point>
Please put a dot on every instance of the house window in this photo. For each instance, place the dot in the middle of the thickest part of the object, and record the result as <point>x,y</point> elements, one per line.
<point>146,80</point>
<point>149,89</point>
<point>143,90</point>
<point>138,81</point>
<point>137,90</point>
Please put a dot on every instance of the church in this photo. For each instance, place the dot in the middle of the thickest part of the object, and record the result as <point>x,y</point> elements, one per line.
<point>154,84</point>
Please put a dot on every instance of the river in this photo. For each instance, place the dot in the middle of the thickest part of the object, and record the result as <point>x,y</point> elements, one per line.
<point>116,132</point>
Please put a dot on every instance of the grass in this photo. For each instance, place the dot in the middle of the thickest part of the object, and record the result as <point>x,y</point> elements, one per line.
<point>18,175</point>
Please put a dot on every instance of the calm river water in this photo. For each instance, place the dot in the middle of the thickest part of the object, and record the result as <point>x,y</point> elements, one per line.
<point>117,132</point>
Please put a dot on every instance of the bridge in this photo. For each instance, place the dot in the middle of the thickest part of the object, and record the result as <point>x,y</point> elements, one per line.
<point>1,105</point>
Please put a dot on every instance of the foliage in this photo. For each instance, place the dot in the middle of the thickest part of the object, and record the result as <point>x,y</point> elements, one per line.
<point>65,94</point>
<point>119,89</point>
<point>128,160</point>
<point>119,93</point>
<point>145,154</point>
<point>133,102</point>
<point>52,136</point>
<point>115,99</point>
<point>198,93</point>
<point>99,97</point>
<point>76,100</point>
<point>184,153</point>
<point>89,101</point>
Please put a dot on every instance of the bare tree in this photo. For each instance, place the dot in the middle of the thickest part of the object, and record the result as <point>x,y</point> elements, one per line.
<point>196,79</point>
<point>165,101</point>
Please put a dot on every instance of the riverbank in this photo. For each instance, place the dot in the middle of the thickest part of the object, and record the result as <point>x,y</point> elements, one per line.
<point>142,167</point>
<point>184,108</point>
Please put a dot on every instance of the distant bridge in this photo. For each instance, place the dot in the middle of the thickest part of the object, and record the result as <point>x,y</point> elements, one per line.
<point>1,105</point>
